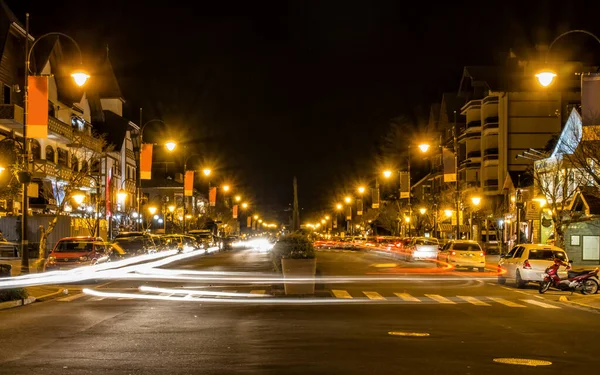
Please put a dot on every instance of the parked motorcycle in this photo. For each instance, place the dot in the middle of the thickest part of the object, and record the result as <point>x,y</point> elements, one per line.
<point>586,281</point>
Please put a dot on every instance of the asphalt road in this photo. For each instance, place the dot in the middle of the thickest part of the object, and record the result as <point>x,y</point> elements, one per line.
<point>470,321</point>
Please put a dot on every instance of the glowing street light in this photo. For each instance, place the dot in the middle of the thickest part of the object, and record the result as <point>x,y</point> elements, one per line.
<point>338,207</point>
<point>323,221</point>
<point>541,199</point>
<point>387,173</point>
<point>361,189</point>
<point>448,213</point>
<point>424,147</point>
<point>79,197</point>
<point>255,217</point>
<point>122,195</point>
<point>152,210</point>
<point>2,169</point>
<point>170,145</point>
<point>348,200</point>
<point>238,198</point>
<point>545,78</point>
<point>407,219</point>
<point>171,208</point>
<point>422,210</point>
<point>206,171</point>
<point>476,200</point>
<point>80,77</point>
<point>327,217</point>
<point>244,205</point>
<point>226,188</point>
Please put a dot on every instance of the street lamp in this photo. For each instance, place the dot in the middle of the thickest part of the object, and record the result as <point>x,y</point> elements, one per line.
<point>476,201</point>
<point>448,213</point>
<point>206,171</point>
<point>226,188</point>
<point>170,145</point>
<point>171,208</point>
<point>422,210</point>
<point>2,169</point>
<point>238,198</point>
<point>424,147</point>
<point>78,197</point>
<point>338,206</point>
<point>348,200</point>
<point>361,189</point>
<point>546,76</point>
<point>244,205</point>
<point>80,78</point>
<point>152,210</point>
<point>387,173</point>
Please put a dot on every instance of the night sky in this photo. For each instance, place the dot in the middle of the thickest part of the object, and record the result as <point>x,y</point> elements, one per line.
<point>269,90</point>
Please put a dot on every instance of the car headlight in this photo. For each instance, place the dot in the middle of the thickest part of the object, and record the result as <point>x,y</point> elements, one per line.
<point>51,259</point>
<point>83,258</point>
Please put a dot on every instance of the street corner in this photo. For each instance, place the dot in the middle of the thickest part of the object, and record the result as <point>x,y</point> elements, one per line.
<point>46,292</point>
<point>586,301</point>
<point>16,303</point>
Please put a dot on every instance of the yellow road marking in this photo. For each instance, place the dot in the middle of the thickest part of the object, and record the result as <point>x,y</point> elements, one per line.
<point>407,297</point>
<point>541,304</point>
<point>341,294</point>
<point>385,265</point>
<point>474,301</point>
<point>374,295</point>
<point>257,292</point>
<point>409,334</point>
<point>71,298</point>
<point>505,302</point>
<point>522,361</point>
<point>440,299</point>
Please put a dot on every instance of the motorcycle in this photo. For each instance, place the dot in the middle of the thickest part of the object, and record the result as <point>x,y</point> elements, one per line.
<point>586,281</point>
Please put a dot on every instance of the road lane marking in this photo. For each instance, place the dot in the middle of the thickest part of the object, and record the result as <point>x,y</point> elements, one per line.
<point>474,301</point>
<point>409,334</point>
<point>440,299</point>
<point>540,304</point>
<point>229,291</point>
<point>257,292</point>
<point>71,298</point>
<point>341,294</point>
<point>407,297</point>
<point>385,265</point>
<point>374,296</point>
<point>522,362</point>
<point>95,299</point>
<point>124,298</point>
<point>505,302</point>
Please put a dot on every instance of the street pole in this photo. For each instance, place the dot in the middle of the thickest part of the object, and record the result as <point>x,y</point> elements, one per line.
<point>184,200</point>
<point>457,192</point>
<point>25,173</point>
<point>409,206</point>
<point>138,178</point>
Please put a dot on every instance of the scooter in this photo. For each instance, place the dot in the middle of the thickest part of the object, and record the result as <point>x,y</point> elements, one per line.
<point>586,281</point>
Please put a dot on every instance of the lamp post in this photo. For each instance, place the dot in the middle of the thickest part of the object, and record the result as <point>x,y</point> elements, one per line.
<point>80,77</point>
<point>476,201</point>
<point>546,76</point>
<point>137,149</point>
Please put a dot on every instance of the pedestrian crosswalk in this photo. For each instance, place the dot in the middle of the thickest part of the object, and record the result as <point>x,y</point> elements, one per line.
<point>439,299</point>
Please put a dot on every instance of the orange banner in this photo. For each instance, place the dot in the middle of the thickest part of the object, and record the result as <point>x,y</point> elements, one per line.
<point>189,183</point>
<point>212,196</point>
<point>235,211</point>
<point>37,108</point>
<point>249,221</point>
<point>146,162</point>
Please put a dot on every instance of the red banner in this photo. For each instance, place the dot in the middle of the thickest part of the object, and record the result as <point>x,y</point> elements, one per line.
<point>249,222</point>
<point>37,116</point>
<point>189,183</point>
<point>212,196</point>
<point>235,211</point>
<point>146,162</point>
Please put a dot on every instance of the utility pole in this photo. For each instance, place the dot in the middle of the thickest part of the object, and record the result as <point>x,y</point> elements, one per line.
<point>25,177</point>
<point>457,192</point>
<point>296,214</point>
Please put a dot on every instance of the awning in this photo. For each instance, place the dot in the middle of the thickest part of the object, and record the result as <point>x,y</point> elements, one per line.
<point>452,228</point>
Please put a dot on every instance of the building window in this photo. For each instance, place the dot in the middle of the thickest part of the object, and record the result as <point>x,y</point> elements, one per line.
<point>6,96</point>
<point>63,157</point>
<point>75,163</point>
<point>591,248</point>
<point>50,154</point>
<point>36,149</point>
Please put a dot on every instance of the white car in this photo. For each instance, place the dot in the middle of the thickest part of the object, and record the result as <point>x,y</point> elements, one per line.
<point>421,248</point>
<point>528,262</point>
<point>463,254</point>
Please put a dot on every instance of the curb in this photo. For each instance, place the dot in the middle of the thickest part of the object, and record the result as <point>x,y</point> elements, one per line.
<point>51,295</point>
<point>17,303</point>
<point>566,299</point>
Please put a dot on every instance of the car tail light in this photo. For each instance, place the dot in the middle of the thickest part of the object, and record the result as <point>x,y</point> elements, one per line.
<point>453,253</point>
<point>526,264</point>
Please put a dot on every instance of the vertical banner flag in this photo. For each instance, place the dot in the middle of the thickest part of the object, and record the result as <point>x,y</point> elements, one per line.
<point>375,196</point>
<point>107,195</point>
<point>212,196</point>
<point>449,167</point>
<point>249,222</point>
<point>146,162</point>
<point>235,211</point>
<point>37,116</point>
<point>590,99</point>
<point>359,207</point>
<point>188,189</point>
<point>348,212</point>
<point>404,193</point>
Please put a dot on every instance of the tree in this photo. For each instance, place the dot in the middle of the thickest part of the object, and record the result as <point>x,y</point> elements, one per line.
<point>64,191</point>
<point>557,180</point>
<point>388,217</point>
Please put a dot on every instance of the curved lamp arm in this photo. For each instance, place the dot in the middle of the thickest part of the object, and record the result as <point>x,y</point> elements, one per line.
<point>567,33</point>
<point>189,156</point>
<point>53,34</point>
<point>146,123</point>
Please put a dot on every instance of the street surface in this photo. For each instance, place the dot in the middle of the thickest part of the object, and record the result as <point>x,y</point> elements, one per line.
<point>463,321</point>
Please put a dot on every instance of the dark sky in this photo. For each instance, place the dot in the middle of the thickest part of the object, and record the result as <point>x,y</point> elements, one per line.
<point>281,88</point>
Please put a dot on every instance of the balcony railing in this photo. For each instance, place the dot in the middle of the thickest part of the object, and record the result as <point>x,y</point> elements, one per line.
<point>58,127</point>
<point>474,154</point>
<point>491,184</point>
<point>490,119</point>
<point>490,154</point>
<point>474,124</point>
<point>11,115</point>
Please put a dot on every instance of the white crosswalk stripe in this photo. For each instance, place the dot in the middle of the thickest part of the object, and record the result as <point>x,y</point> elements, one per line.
<point>540,304</point>
<point>374,295</point>
<point>505,302</point>
<point>407,297</point>
<point>341,294</point>
<point>440,299</point>
<point>71,298</point>
<point>474,301</point>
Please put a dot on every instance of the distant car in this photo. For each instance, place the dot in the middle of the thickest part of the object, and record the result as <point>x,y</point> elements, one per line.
<point>204,237</point>
<point>463,254</point>
<point>181,243</point>
<point>527,263</point>
<point>420,248</point>
<point>71,252</point>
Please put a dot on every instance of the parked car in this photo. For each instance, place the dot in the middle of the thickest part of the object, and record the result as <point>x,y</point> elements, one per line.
<point>204,237</point>
<point>463,254</point>
<point>182,243</point>
<point>70,252</point>
<point>420,248</point>
<point>136,245</point>
<point>527,263</point>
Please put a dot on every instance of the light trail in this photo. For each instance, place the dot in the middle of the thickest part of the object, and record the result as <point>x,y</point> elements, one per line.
<point>199,292</point>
